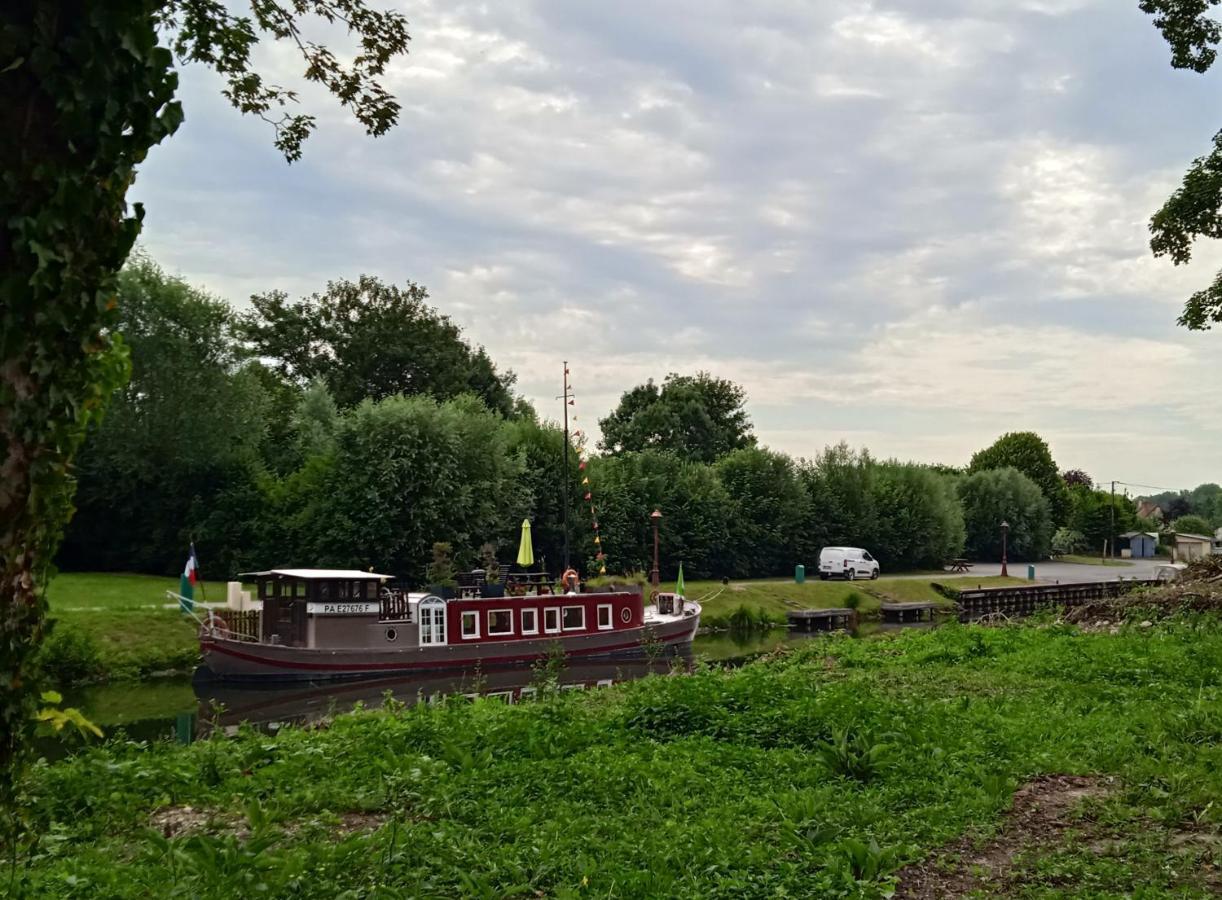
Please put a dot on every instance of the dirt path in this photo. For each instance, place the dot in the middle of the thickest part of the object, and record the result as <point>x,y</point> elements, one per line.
<point>1043,808</point>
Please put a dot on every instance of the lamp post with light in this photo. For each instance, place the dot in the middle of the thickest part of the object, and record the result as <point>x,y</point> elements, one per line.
<point>1005,531</point>
<point>655,576</point>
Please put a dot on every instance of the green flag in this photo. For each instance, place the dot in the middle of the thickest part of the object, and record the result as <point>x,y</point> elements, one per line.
<point>679,589</point>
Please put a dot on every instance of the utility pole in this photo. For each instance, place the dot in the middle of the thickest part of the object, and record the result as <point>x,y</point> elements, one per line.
<point>567,397</point>
<point>1111,528</point>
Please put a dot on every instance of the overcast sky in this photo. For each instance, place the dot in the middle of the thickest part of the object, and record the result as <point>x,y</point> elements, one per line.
<point>909,225</point>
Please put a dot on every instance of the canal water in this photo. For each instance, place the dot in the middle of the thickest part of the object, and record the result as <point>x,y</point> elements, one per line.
<point>184,709</point>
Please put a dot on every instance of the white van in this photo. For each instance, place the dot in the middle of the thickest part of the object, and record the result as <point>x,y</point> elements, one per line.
<point>846,562</point>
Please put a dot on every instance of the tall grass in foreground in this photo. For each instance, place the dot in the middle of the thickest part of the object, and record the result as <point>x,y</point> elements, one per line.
<point>813,773</point>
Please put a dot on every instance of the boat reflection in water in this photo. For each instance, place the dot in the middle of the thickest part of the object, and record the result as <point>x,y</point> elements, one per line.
<point>228,705</point>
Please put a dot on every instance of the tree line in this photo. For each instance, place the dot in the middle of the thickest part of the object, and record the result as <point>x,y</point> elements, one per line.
<point>358,427</point>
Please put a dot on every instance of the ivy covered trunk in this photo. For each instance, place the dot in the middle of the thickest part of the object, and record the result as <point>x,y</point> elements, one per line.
<point>86,91</point>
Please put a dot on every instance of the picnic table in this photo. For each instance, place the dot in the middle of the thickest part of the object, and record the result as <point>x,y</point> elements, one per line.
<point>959,565</point>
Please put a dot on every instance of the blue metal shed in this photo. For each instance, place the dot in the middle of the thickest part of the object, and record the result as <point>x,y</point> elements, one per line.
<point>1141,544</point>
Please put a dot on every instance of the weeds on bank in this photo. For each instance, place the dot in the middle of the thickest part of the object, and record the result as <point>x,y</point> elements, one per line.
<point>814,773</point>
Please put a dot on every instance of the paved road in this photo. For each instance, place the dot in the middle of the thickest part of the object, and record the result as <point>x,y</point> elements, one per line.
<point>1069,572</point>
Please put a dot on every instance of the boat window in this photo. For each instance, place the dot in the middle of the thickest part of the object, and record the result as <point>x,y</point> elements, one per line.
<point>470,624</point>
<point>574,618</point>
<point>432,622</point>
<point>604,615</point>
<point>500,621</point>
<point>530,621</point>
<point>551,620</point>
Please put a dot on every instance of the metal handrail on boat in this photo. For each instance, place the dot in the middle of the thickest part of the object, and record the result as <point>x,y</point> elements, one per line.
<point>234,625</point>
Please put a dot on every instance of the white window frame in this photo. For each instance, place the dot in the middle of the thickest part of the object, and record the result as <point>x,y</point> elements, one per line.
<point>610,618</point>
<point>547,628</point>
<point>493,612</point>
<point>432,616</point>
<point>474,613</point>
<point>581,627</point>
<point>534,621</point>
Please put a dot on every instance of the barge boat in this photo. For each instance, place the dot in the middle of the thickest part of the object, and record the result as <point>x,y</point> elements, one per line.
<point>318,624</point>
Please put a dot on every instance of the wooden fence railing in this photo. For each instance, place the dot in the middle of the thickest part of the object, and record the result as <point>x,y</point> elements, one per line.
<point>243,624</point>
<point>395,607</point>
<point>1023,601</point>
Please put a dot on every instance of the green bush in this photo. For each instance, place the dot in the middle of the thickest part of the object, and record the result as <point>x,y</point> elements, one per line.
<point>995,495</point>
<point>70,656</point>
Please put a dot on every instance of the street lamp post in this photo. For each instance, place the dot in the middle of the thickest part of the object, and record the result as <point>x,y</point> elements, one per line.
<point>1005,531</point>
<point>654,576</point>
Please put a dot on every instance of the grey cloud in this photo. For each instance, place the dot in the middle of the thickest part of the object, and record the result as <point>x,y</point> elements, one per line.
<point>775,191</point>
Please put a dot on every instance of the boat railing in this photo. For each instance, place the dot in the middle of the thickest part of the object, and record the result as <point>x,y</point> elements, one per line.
<point>394,606</point>
<point>242,625</point>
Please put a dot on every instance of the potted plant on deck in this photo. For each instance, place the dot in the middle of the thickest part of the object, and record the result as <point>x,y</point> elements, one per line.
<point>440,572</point>
<point>493,586</point>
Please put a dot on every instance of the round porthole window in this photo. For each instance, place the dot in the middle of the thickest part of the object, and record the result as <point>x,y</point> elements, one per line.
<point>392,634</point>
<point>625,615</point>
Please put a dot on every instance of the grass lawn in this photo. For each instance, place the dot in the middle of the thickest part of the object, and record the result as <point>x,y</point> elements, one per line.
<point>115,626</point>
<point>1025,761</point>
<point>775,597</point>
<point>72,591</point>
<point>1091,560</point>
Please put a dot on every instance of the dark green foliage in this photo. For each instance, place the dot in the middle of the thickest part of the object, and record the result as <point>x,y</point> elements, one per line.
<point>920,521</point>
<point>696,509</point>
<point>842,511</point>
<point>769,506</point>
<point>1192,524</point>
<point>908,516</point>
<point>367,339</point>
<point>1075,478</point>
<point>440,570</point>
<point>992,496</point>
<point>1099,518</point>
<point>178,455</point>
<point>1027,452</point>
<point>696,417</point>
<point>540,448</point>
<point>1195,209</point>
<point>208,33</point>
<point>70,656</point>
<point>87,92</point>
<point>1066,541</point>
<point>406,472</point>
<point>1185,25</point>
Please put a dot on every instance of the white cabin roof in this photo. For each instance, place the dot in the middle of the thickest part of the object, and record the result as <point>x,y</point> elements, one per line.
<point>323,574</point>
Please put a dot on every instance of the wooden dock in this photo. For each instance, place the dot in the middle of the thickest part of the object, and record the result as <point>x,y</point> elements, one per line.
<point>1023,601</point>
<point>900,613</point>
<point>820,619</point>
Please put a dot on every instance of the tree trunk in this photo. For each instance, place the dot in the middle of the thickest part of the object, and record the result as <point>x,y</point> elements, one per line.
<point>86,91</point>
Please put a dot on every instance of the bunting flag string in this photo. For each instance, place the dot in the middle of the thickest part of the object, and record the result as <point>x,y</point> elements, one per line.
<point>579,443</point>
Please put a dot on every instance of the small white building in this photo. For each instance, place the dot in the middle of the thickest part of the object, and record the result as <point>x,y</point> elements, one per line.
<point>1218,542</point>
